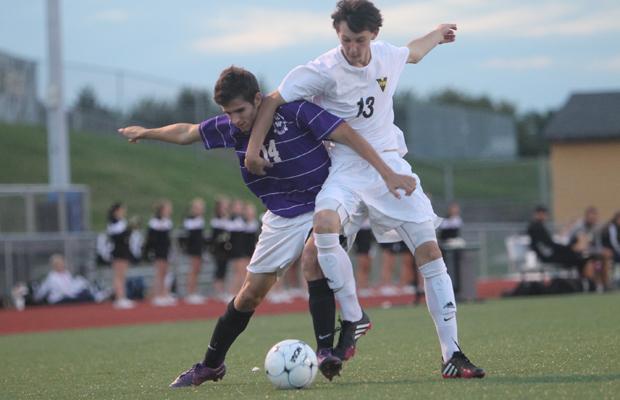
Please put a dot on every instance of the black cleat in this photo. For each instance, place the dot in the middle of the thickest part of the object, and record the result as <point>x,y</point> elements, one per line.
<point>459,366</point>
<point>329,364</point>
<point>349,333</point>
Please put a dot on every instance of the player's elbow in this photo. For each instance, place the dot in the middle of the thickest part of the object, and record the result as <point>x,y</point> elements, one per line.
<point>185,139</point>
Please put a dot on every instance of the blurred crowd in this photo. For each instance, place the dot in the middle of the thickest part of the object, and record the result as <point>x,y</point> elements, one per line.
<point>588,246</point>
<point>224,244</point>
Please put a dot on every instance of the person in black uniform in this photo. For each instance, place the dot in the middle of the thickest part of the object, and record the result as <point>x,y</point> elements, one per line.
<point>238,254</point>
<point>220,246</point>
<point>158,248</point>
<point>250,233</point>
<point>118,231</point>
<point>548,250</point>
<point>451,243</point>
<point>193,225</point>
<point>363,242</point>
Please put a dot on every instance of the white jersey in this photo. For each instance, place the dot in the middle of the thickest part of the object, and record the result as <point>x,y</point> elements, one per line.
<point>363,97</point>
<point>360,95</point>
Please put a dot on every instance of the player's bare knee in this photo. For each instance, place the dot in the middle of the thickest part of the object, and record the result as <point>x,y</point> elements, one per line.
<point>326,221</point>
<point>427,252</point>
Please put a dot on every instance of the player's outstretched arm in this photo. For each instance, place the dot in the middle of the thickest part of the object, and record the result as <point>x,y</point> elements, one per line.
<point>253,161</point>
<point>346,135</point>
<point>175,133</point>
<point>418,48</point>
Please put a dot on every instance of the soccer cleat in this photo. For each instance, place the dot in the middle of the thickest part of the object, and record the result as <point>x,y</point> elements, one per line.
<point>197,374</point>
<point>329,364</point>
<point>459,366</point>
<point>349,333</point>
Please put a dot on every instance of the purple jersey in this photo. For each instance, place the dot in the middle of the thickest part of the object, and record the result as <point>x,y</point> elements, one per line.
<point>294,147</point>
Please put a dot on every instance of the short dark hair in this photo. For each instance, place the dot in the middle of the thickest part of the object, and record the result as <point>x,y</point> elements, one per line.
<point>360,15</point>
<point>235,82</point>
<point>541,208</point>
<point>112,210</point>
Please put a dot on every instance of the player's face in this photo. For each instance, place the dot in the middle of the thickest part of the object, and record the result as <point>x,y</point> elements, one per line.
<point>355,46</point>
<point>242,113</point>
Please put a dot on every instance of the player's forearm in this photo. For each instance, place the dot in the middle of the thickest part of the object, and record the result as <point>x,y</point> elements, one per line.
<point>348,136</point>
<point>176,133</point>
<point>263,121</point>
<point>418,48</point>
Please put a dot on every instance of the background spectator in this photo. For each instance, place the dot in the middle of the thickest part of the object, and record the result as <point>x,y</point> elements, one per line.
<point>587,230</point>
<point>611,241</point>
<point>220,246</point>
<point>547,250</point>
<point>450,227</point>
<point>193,225</point>
<point>362,245</point>
<point>118,232</point>
<point>60,286</point>
<point>158,248</point>
<point>238,254</point>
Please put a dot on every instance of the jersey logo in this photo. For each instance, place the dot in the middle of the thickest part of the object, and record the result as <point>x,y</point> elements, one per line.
<point>382,83</point>
<point>279,124</point>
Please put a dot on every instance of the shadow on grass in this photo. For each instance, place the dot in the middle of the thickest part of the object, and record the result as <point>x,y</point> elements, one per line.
<point>518,380</point>
<point>493,380</point>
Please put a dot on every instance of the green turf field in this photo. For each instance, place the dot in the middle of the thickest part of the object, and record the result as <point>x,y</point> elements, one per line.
<point>546,347</point>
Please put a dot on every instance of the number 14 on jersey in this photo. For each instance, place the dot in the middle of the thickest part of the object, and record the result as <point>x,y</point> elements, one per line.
<point>270,152</point>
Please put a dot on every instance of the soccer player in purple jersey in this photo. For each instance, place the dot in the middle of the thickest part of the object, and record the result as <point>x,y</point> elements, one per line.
<point>294,146</point>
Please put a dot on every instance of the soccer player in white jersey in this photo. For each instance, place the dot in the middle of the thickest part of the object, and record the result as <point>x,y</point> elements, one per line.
<point>356,81</point>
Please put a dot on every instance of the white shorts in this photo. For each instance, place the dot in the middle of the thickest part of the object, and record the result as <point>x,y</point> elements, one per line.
<point>356,190</point>
<point>280,243</point>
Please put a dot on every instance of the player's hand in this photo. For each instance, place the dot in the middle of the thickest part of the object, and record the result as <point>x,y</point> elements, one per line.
<point>406,183</point>
<point>447,32</point>
<point>132,133</point>
<point>256,164</point>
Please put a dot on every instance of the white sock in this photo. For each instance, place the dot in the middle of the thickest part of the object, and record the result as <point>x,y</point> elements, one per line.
<point>337,268</point>
<point>441,305</point>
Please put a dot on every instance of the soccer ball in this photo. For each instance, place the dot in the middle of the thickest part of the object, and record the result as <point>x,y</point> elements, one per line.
<point>291,364</point>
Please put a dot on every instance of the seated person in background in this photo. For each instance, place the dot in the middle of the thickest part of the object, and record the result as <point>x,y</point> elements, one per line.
<point>547,250</point>
<point>611,239</point>
<point>587,229</point>
<point>61,287</point>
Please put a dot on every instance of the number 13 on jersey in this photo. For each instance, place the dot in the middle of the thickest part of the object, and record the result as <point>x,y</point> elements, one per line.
<point>366,107</point>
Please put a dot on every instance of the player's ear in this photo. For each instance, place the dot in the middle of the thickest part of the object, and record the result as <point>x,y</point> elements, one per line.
<point>374,35</point>
<point>258,99</point>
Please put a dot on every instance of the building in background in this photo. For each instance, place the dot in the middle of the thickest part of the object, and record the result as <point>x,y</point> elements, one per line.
<point>585,155</point>
<point>18,90</point>
<point>436,131</point>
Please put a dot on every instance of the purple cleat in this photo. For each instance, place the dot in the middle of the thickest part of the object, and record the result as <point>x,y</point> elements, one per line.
<point>329,364</point>
<point>198,374</point>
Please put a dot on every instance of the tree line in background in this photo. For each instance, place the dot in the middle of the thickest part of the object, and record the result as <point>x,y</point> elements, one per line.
<point>194,105</point>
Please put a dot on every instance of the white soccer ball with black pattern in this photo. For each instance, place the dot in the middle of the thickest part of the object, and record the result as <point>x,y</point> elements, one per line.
<point>291,364</point>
